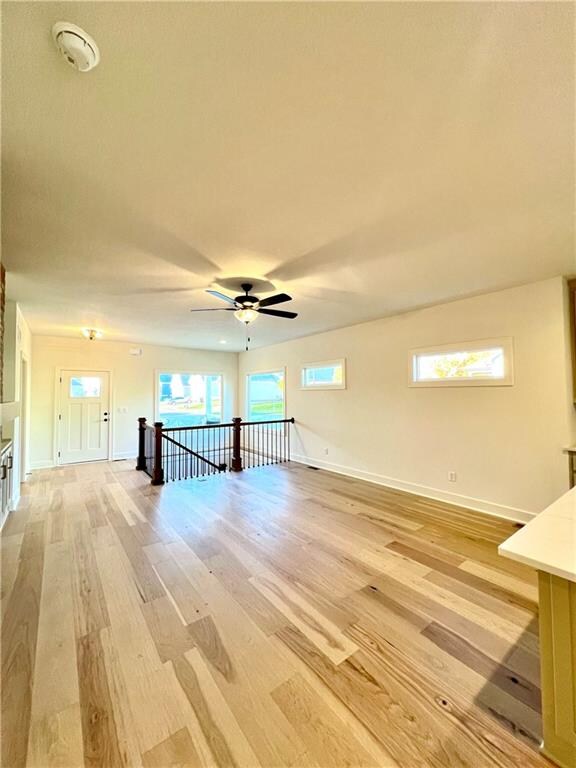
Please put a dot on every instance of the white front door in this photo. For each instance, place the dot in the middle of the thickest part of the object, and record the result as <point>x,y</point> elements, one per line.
<point>84,416</point>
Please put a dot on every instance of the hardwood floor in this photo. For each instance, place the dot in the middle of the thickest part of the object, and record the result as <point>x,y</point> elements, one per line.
<point>280,617</point>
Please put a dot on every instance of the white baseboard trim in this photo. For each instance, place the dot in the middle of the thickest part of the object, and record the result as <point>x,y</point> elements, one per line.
<point>14,501</point>
<point>43,464</point>
<point>47,464</point>
<point>477,505</point>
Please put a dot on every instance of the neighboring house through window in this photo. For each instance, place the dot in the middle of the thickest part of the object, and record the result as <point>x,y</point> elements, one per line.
<point>476,363</point>
<point>265,396</point>
<point>186,399</point>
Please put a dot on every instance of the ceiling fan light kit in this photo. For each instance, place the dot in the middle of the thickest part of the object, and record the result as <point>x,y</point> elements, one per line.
<point>246,308</point>
<point>246,315</point>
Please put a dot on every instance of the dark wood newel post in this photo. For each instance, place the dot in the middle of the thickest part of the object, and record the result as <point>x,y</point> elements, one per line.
<point>236,453</point>
<point>158,471</point>
<point>141,461</point>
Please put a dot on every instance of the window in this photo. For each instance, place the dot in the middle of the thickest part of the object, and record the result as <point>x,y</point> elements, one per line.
<point>475,363</point>
<point>188,399</point>
<point>85,386</point>
<point>265,396</point>
<point>327,375</point>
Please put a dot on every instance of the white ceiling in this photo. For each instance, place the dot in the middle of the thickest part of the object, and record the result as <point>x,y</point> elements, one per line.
<point>365,158</point>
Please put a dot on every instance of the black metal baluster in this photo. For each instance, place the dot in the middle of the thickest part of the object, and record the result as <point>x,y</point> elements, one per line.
<point>165,461</point>
<point>202,438</point>
<point>169,458</point>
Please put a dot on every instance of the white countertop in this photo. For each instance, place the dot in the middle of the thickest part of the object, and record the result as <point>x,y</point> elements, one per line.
<point>548,543</point>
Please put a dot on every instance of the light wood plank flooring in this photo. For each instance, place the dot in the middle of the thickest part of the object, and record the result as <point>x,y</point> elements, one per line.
<point>280,617</point>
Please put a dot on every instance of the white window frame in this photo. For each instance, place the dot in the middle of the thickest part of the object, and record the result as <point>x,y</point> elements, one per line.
<point>278,369</point>
<point>158,371</point>
<point>323,364</point>
<point>504,342</point>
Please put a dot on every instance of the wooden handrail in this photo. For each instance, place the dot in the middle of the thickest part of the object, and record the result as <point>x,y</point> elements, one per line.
<point>269,421</point>
<point>228,424</point>
<point>198,426</point>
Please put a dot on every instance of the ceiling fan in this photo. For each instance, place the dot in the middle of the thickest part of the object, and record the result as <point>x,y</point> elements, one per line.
<point>246,308</point>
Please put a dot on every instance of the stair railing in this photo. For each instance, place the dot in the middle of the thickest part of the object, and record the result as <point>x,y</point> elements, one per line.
<point>178,453</point>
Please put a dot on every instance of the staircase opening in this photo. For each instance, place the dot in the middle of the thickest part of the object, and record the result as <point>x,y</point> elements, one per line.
<point>168,454</point>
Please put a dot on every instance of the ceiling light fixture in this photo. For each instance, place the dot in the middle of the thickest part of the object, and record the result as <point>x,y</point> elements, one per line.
<point>91,333</point>
<point>246,315</point>
<point>223,341</point>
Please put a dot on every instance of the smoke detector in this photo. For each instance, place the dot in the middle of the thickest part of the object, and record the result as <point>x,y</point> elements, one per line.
<point>76,46</point>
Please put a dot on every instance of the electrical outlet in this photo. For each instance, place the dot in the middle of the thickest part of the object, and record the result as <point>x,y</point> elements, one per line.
<point>452,477</point>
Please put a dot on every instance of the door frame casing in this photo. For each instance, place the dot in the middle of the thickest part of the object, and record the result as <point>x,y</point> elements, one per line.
<point>57,410</point>
<point>25,424</point>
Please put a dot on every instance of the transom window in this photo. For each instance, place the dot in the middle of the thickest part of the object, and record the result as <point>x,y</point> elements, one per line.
<point>330,374</point>
<point>476,363</point>
<point>265,396</point>
<point>189,399</point>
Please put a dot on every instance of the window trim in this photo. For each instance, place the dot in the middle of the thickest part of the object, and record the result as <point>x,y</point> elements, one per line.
<point>279,368</point>
<point>323,364</point>
<point>158,371</point>
<point>505,342</point>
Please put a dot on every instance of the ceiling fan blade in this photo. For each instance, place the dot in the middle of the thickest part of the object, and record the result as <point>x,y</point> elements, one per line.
<point>221,296</point>
<point>216,309</point>
<point>278,299</point>
<point>278,313</point>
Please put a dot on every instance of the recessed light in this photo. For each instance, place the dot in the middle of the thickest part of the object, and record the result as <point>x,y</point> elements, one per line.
<point>223,341</point>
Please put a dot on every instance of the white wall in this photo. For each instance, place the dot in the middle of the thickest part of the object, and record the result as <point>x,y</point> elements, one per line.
<point>17,346</point>
<point>17,343</point>
<point>504,443</point>
<point>133,381</point>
